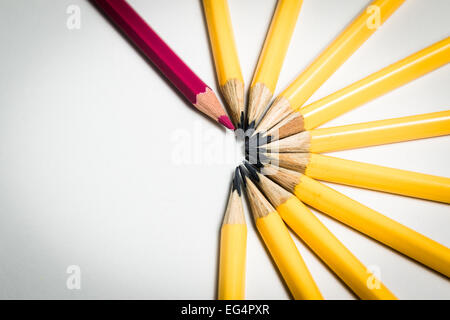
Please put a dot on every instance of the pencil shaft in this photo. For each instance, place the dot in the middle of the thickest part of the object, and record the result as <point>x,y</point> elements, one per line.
<point>374,224</point>
<point>353,36</point>
<point>154,48</point>
<point>272,57</point>
<point>339,51</point>
<point>379,178</point>
<point>222,40</point>
<point>287,258</point>
<point>233,244</point>
<point>379,132</point>
<point>352,272</point>
<point>276,43</point>
<point>159,53</point>
<point>376,84</point>
<point>225,55</point>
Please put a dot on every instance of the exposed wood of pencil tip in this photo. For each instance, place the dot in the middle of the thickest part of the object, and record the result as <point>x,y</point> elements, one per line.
<point>259,159</point>
<point>300,142</point>
<point>234,213</point>
<point>208,103</point>
<point>276,194</point>
<point>259,99</point>
<point>233,91</point>
<point>292,124</point>
<point>288,179</point>
<point>259,205</point>
<point>294,161</point>
<point>279,109</point>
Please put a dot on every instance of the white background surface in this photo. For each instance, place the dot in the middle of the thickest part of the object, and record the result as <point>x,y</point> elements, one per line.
<point>91,138</point>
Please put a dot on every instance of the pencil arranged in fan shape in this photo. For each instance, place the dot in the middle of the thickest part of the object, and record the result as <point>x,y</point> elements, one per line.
<point>364,90</point>
<point>271,58</point>
<point>167,61</point>
<point>353,36</point>
<point>233,246</point>
<point>363,219</point>
<point>324,244</point>
<point>364,134</point>
<point>284,144</point>
<point>364,175</point>
<point>226,58</point>
<point>282,248</point>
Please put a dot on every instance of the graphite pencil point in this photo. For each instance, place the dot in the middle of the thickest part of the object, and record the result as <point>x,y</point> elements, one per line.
<point>253,174</point>
<point>237,181</point>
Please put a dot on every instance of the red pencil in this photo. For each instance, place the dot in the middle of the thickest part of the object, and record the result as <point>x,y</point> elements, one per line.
<point>159,53</point>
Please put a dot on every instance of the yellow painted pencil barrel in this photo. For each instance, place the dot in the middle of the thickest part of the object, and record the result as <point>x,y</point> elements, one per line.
<point>374,224</point>
<point>225,55</point>
<point>376,84</point>
<point>339,51</point>
<point>348,41</point>
<point>379,178</point>
<point>277,43</point>
<point>222,40</point>
<point>380,132</point>
<point>287,258</point>
<point>331,250</point>
<point>233,242</point>
<point>272,57</point>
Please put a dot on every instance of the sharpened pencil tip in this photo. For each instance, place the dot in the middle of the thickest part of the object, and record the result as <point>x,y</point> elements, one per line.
<point>241,123</point>
<point>243,175</point>
<point>237,181</point>
<point>256,159</point>
<point>226,122</point>
<point>253,174</point>
<point>251,125</point>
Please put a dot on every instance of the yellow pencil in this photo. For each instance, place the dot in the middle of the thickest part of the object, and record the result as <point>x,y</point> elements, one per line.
<point>233,244</point>
<point>225,57</point>
<point>303,87</point>
<point>362,91</point>
<point>271,58</point>
<point>365,175</point>
<point>365,134</point>
<point>309,228</point>
<point>281,246</point>
<point>365,220</point>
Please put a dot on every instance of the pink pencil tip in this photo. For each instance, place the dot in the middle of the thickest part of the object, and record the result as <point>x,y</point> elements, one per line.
<point>226,122</point>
